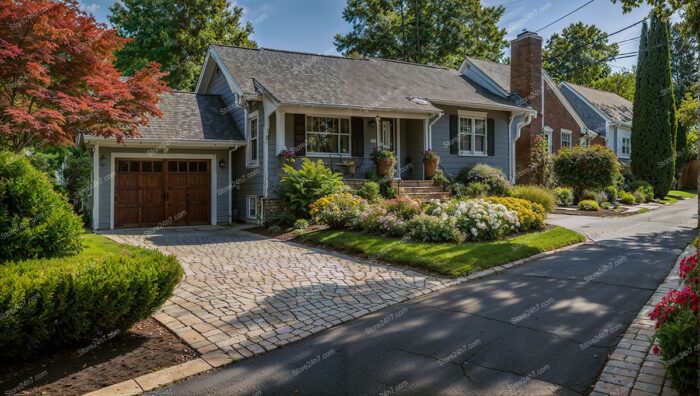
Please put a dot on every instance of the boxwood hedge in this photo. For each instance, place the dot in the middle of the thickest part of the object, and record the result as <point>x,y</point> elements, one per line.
<point>46,303</point>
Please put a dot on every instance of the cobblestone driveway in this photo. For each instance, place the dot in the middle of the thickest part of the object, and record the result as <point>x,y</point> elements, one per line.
<point>245,294</point>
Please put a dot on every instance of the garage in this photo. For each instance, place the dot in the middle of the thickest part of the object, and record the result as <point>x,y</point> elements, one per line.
<point>162,192</point>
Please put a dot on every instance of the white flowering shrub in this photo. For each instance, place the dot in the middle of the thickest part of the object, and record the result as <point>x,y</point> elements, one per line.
<point>427,228</point>
<point>477,219</point>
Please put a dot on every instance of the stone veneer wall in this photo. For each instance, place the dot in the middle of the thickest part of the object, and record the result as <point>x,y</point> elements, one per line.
<point>272,209</point>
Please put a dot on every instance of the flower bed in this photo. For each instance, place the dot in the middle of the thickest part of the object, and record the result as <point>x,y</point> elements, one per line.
<point>435,221</point>
<point>676,328</point>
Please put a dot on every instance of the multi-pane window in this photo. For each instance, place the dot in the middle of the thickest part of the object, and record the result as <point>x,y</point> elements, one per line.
<point>327,135</point>
<point>253,140</point>
<point>472,136</point>
<point>626,146</point>
<point>252,207</point>
<point>565,138</point>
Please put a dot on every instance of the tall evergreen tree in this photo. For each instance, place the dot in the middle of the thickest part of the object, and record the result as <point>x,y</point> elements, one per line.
<point>654,119</point>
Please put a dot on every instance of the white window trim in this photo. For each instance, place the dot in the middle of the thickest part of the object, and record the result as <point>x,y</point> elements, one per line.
<point>571,137</point>
<point>322,154</point>
<point>247,207</point>
<point>472,115</point>
<point>548,132</point>
<point>250,163</point>
<point>622,153</point>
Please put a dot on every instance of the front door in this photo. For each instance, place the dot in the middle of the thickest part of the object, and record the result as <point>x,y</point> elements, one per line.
<point>152,193</point>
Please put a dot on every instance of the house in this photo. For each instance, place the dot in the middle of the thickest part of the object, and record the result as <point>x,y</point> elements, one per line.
<point>524,78</point>
<point>606,113</point>
<point>213,156</point>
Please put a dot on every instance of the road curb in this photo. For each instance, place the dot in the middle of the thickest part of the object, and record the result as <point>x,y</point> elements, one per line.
<point>626,372</point>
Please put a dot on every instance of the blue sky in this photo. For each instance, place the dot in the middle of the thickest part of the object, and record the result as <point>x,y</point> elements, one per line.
<point>309,25</point>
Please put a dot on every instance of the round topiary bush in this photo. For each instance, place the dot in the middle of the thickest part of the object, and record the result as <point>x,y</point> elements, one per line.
<point>47,303</point>
<point>35,221</point>
<point>581,168</point>
<point>486,174</point>
<point>589,205</point>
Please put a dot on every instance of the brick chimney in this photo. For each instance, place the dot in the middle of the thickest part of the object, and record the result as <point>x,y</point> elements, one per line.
<point>526,81</point>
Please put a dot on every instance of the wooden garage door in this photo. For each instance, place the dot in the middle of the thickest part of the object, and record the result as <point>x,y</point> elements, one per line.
<point>152,193</point>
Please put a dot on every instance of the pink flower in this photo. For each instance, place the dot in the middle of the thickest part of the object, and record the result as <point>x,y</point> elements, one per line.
<point>656,350</point>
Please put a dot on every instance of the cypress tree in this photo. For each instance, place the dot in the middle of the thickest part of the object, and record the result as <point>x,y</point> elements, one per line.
<point>654,119</point>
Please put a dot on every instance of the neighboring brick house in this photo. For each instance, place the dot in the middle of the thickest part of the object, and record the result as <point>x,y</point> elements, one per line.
<point>556,119</point>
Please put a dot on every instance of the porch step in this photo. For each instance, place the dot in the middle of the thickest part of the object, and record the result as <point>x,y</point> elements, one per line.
<point>429,196</point>
<point>420,190</point>
<point>416,183</point>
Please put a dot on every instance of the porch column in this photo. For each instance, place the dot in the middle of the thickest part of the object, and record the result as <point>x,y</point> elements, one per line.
<point>426,133</point>
<point>398,147</point>
<point>376,122</point>
<point>279,127</point>
<point>96,187</point>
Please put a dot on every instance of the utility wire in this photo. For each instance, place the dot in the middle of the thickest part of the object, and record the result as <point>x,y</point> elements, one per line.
<point>552,23</point>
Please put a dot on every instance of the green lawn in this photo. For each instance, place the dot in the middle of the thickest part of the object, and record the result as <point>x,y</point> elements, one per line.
<point>674,196</point>
<point>446,258</point>
<point>97,245</point>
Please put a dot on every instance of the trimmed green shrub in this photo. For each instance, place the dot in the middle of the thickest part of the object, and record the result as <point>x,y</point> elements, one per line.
<point>581,168</point>
<point>482,173</point>
<point>440,179</point>
<point>530,214</point>
<point>47,303</point>
<point>678,340</point>
<point>476,190</point>
<point>313,180</point>
<point>627,198</point>
<point>606,205</point>
<point>639,196</point>
<point>35,221</point>
<point>427,228</point>
<point>301,224</point>
<point>611,193</point>
<point>537,194</point>
<point>588,204</point>
<point>564,196</point>
<point>369,191</point>
<point>643,188</point>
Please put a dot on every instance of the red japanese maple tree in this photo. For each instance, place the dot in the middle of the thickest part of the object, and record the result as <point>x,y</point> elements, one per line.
<point>57,78</point>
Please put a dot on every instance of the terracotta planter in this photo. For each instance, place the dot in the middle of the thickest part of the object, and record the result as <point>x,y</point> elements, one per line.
<point>384,166</point>
<point>430,168</point>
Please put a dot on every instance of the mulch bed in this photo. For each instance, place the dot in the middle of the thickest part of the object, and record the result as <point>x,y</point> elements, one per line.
<point>600,213</point>
<point>145,348</point>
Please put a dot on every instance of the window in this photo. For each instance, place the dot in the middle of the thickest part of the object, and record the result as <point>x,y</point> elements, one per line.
<point>472,133</point>
<point>548,137</point>
<point>252,207</point>
<point>626,147</point>
<point>566,138</point>
<point>252,152</point>
<point>327,135</point>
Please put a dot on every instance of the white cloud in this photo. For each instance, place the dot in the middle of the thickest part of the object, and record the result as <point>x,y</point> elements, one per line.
<point>89,8</point>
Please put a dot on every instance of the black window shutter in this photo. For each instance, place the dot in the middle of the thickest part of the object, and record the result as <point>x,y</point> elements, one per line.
<point>300,134</point>
<point>491,137</point>
<point>357,128</point>
<point>454,143</point>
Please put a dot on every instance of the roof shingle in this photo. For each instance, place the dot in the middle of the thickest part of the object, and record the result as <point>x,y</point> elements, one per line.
<point>613,106</point>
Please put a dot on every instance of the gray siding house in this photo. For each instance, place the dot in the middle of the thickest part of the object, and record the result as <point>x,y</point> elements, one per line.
<point>213,156</point>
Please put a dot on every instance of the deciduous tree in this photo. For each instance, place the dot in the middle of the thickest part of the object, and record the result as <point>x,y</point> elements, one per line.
<point>57,79</point>
<point>578,54</point>
<point>440,32</point>
<point>622,83</point>
<point>176,34</point>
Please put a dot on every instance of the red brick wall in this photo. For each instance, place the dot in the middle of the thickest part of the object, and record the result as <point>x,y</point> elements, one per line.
<point>556,116</point>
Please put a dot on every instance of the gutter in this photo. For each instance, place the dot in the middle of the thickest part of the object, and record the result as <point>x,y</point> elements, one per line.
<point>430,128</point>
<point>518,127</point>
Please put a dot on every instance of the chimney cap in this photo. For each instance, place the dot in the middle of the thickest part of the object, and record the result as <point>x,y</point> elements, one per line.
<point>526,33</point>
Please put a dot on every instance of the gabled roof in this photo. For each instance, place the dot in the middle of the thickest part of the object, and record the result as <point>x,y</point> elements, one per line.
<point>499,73</point>
<point>614,107</point>
<point>190,116</point>
<point>297,78</point>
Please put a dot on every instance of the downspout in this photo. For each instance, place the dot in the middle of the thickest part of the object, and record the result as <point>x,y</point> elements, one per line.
<point>230,185</point>
<point>96,187</point>
<point>430,134</point>
<point>518,127</point>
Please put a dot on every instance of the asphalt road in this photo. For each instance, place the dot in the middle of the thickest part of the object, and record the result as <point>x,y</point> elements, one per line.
<point>542,328</point>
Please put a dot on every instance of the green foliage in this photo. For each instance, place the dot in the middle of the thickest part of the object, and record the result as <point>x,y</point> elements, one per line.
<point>35,221</point>
<point>475,190</point>
<point>589,205</point>
<point>575,55</point>
<point>369,191</point>
<point>644,189</point>
<point>606,205</point>
<point>684,61</point>
<point>402,207</point>
<point>336,210</point>
<point>622,84</point>
<point>540,195</point>
<point>313,180</point>
<point>48,303</point>
<point>274,229</point>
<point>176,34</point>
<point>564,196</point>
<point>427,228</point>
<point>678,340</point>
<point>580,168</point>
<point>594,195</point>
<point>654,121</point>
<point>441,32</point>
<point>611,193</point>
<point>301,224</point>
<point>440,179</point>
<point>482,173</point>
<point>627,198</point>
<point>540,167</point>
<point>530,214</point>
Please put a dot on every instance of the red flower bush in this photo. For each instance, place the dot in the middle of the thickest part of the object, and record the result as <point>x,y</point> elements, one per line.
<point>672,302</point>
<point>689,271</point>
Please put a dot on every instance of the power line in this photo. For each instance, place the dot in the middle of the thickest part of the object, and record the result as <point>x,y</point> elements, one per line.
<point>552,23</point>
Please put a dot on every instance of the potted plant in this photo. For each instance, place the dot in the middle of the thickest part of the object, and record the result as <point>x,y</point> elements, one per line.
<point>430,163</point>
<point>287,156</point>
<point>385,161</point>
